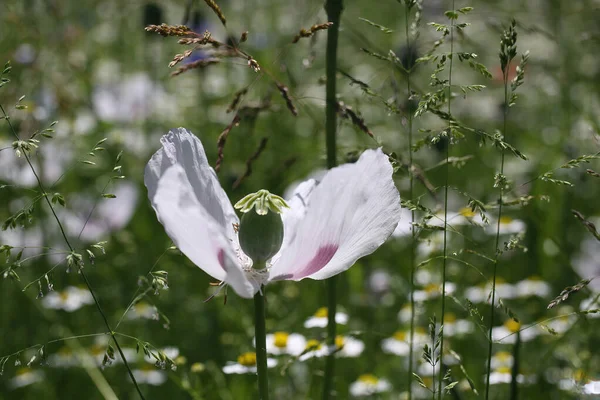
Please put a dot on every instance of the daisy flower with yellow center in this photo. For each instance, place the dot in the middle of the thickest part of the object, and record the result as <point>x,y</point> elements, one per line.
<point>319,319</point>
<point>367,385</point>
<point>246,364</point>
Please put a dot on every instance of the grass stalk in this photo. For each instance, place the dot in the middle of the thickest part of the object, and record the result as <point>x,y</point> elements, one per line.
<point>72,250</point>
<point>444,260</point>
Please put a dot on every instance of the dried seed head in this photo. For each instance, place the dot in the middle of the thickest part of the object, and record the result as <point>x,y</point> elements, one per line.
<point>347,113</point>
<point>313,29</point>
<point>215,7</point>
<point>286,96</point>
<point>170,30</point>
<point>195,65</point>
<point>237,97</point>
<point>252,63</point>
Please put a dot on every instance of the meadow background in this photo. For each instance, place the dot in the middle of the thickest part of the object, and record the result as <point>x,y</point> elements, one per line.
<point>91,66</point>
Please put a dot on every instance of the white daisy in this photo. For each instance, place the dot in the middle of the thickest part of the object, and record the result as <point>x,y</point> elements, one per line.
<point>399,343</point>
<point>507,333</point>
<point>285,343</point>
<point>150,376</point>
<point>367,385</point>
<point>25,377</point>
<point>246,364</point>
<point>432,291</point>
<point>319,319</point>
<point>70,299</point>
<point>532,286</point>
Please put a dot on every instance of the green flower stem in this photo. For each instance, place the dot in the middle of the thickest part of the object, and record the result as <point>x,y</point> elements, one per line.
<point>261,344</point>
<point>334,11</point>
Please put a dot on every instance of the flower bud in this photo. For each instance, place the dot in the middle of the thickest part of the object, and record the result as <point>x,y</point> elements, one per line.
<point>261,226</point>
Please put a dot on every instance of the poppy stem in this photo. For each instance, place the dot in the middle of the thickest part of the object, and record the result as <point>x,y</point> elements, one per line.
<point>334,11</point>
<point>261,344</point>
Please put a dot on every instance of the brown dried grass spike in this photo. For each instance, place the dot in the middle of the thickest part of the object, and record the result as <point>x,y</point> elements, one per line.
<point>215,7</point>
<point>170,30</point>
<point>195,65</point>
<point>253,157</point>
<point>313,29</point>
<point>285,93</point>
<point>223,139</point>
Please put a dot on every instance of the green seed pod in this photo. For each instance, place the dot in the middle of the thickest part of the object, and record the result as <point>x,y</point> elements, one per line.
<point>261,235</point>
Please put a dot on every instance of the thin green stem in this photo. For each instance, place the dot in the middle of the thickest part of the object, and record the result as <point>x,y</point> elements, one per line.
<point>497,242</point>
<point>412,213</point>
<point>334,11</point>
<point>45,195</point>
<point>444,260</point>
<point>261,344</point>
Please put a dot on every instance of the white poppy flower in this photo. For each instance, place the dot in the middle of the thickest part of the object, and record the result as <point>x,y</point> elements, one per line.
<point>70,299</point>
<point>285,343</point>
<point>328,226</point>
<point>246,364</point>
<point>26,377</point>
<point>592,387</point>
<point>367,385</point>
<point>319,320</point>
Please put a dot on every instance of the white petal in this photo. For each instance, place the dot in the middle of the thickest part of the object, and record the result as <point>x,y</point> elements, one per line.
<point>298,204</point>
<point>195,232</point>
<point>354,209</point>
<point>180,147</point>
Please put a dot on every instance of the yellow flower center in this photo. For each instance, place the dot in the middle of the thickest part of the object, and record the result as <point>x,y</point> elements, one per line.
<point>432,288</point>
<point>247,359</point>
<point>579,375</point>
<point>321,312</point>
<point>505,220</point>
<point>313,344</point>
<point>449,318</point>
<point>420,330</point>
<point>503,370</point>
<point>503,355</point>
<point>512,325</point>
<point>23,371</point>
<point>368,379</point>
<point>400,335</point>
<point>64,295</point>
<point>535,278</point>
<point>339,341</point>
<point>280,339</point>
<point>141,307</point>
<point>197,368</point>
<point>466,212</point>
